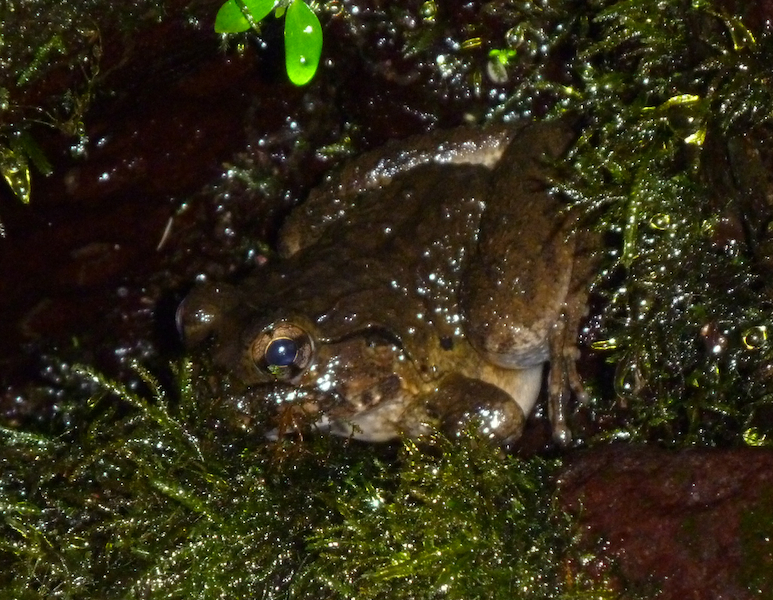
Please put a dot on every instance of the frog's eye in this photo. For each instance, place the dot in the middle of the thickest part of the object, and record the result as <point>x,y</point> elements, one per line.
<point>283,350</point>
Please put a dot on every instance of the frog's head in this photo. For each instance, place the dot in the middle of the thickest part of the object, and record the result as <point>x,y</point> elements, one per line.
<point>359,382</point>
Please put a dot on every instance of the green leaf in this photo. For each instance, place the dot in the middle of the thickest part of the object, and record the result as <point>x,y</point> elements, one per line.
<point>259,9</point>
<point>27,144</point>
<point>15,169</point>
<point>230,19</point>
<point>303,42</point>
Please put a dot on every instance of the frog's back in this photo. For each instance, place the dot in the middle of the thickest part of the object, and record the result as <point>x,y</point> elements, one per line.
<point>396,261</point>
<point>338,198</point>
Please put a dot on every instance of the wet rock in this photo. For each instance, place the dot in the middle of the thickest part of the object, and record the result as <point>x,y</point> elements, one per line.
<point>690,524</point>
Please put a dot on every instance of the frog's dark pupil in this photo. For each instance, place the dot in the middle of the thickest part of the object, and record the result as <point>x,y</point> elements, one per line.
<point>281,352</point>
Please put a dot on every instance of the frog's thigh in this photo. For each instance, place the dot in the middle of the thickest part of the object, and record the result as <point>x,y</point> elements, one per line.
<point>513,297</point>
<point>520,270</point>
<point>460,400</point>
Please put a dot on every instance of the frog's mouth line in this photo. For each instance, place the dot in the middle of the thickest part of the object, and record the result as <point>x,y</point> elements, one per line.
<point>382,423</point>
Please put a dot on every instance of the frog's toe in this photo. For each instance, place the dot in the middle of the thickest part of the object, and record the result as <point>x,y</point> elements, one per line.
<point>563,381</point>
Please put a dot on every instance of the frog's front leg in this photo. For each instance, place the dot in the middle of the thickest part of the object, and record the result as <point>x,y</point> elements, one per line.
<point>499,414</point>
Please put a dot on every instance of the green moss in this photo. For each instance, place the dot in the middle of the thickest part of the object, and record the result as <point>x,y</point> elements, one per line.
<point>168,497</point>
<point>666,92</point>
<point>45,41</point>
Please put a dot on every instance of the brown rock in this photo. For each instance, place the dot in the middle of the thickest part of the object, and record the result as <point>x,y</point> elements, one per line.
<point>686,524</point>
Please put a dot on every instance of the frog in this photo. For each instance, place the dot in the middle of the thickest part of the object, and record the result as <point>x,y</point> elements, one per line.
<point>422,286</point>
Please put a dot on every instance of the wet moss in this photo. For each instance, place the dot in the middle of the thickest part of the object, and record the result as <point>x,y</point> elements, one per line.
<point>162,495</point>
<point>50,59</point>
<point>666,91</point>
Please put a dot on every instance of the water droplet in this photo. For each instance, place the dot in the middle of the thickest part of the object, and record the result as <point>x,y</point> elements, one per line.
<point>661,221</point>
<point>334,7</point>
<point>755,338</point>
<point>446,65</point>
<point>428,10</point>
<point>753,437</point>
<point>515,37</point>
<point>715,338</point>
<point>496,71</point>
<point>15,170</point>
<point>629,379</point>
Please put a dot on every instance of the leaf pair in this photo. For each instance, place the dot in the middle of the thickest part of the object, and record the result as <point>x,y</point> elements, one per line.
<point>303,33</point>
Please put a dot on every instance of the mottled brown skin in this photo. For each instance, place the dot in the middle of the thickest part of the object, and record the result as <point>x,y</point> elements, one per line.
<point>526,288</point>
<point>424,283</point>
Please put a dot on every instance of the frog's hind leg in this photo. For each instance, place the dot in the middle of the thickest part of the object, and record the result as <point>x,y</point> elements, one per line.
<point>563,378</point>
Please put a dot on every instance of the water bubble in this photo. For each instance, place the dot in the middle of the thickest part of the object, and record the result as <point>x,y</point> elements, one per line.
<point>755,338</point>
<point>428,10</point>
<point>660,222</point>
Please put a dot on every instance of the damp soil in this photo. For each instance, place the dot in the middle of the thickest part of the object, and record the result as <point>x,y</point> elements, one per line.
<point>194,153</point>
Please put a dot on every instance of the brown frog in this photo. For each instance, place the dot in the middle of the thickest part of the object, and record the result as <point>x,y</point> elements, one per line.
<point>424,284</point>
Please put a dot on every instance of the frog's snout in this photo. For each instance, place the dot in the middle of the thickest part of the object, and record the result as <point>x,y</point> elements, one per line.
<point>200,312</point>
